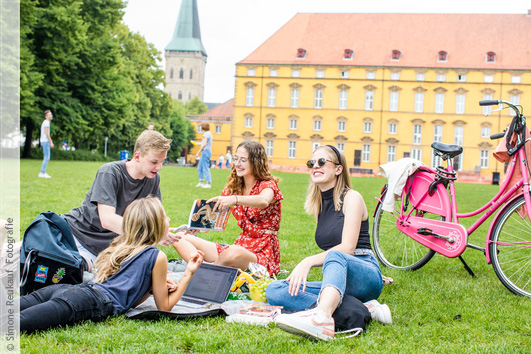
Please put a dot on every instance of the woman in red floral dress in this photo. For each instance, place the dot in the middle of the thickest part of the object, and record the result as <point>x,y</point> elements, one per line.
<point>254,193</point>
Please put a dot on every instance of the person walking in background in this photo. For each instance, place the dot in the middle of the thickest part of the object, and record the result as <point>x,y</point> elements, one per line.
<point>221,160</point>
<point>150,126</point>
<point>228,160</point>
<point>203,168</point>
<point>46,143</point>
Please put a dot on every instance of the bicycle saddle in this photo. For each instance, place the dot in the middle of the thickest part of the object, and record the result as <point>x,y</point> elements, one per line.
<point>449,150</point>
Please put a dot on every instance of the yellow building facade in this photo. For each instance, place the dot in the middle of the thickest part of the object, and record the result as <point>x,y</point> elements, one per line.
<point>375,114</point>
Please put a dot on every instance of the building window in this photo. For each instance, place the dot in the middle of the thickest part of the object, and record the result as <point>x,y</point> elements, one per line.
<point>443,56</point>
<point>294,98</point>
<point>460,104</point>
<point>437,136</point>
<point>396,54</point>
<point>292,149</point>
<point>367,127</point>
<point>269,148</point>
<point>439,103</point>
<point>488,78</point>
<point>419,102</point>
<point>391,153</point>
<point>490,57</point>
<point>344,74</point>
<point>395,76</point>
<point>485,132</point>
<point>515,100</point>
<point>343,99</point>
<point>295,73</point>
<point>301,53</point>
<point>341,126</point>
<point>366,153</point>
<point>441,77</point>
<point>249,98</point>
<point>273,72</point>
<point>487,109</point>
<point>293,124</point>
<point>315,145</point>
<point>218,129</point>
<point>341,147</point>
<point>461,78</point>
<point>349,53</point>
<point>458,135</point>
<point>416,154</point>
<point>199,128</point>
<point>270,123</point>
<point>516,79</point>
<point>318,103</point>
<point>180,95</point>
<point>171,73</point>
<point>484,158</point>
<point>181,73</point>
<point>248,122</point>
<point>319,74</point>
<point>317,125</point>
<point>371,75</point>
<point>393,101</point>
<point>189,96</point>
<point>369,98</point>
<point>417,134</point>
<point>251,72</point>
<point>272,97</point>
<point>420,77</point>
<point>191,74</point>
<point>392,128</point>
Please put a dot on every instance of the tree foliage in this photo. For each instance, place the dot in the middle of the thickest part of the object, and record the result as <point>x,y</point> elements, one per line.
<point>99,79</point>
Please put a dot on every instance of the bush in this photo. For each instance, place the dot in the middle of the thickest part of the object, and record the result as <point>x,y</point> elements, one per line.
<point>75,155</point>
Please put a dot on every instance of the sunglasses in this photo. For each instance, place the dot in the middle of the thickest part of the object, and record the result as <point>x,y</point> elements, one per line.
<point>320,162</point>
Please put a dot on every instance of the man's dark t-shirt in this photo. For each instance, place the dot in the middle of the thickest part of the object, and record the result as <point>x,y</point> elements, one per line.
<point>112,186</point>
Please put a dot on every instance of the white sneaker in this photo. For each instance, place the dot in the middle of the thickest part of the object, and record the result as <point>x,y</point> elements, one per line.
<point>44,175</point>
<point>379,312</point>
<point>207,185</point>
<point>311,324</point>
<point>200,184</point>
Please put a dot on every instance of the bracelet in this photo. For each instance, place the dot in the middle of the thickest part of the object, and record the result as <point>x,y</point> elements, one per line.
<point>236,202</point>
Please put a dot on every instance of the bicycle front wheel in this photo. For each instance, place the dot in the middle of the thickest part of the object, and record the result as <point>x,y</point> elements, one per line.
<point>510,248</point>
<point>395,249</point>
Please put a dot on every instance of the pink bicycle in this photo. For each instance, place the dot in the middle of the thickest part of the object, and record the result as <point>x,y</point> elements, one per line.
<point>426,220</point>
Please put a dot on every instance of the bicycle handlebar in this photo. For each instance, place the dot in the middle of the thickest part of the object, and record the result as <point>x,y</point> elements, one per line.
<point>497,136</point>
<point>501,102</point>
<point>488,102</point>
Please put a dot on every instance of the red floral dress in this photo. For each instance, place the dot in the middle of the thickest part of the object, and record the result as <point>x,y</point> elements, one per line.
<point>260,227</point>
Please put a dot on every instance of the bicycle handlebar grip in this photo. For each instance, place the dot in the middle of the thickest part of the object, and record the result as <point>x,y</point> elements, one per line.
<point>488,102</point>
<point>497,136</point>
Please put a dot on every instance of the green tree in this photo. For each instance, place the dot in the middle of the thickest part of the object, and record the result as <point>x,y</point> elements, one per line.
<point>182,131</point>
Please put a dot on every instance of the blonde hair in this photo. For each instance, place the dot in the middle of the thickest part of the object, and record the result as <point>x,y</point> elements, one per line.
<point>259,167</point>
<point>151,140</point>
<point>313,203</point>
<point>143,225</point>
<point>205,126</point>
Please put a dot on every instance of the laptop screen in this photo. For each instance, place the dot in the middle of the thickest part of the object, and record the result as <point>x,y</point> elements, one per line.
<point>211,283</point>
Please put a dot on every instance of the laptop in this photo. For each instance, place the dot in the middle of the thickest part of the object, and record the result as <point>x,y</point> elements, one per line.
<point>210,285</point>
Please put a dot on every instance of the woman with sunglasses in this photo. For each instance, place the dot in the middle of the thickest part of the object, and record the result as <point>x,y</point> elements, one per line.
<point>253,193</point>
<point>348,263</point>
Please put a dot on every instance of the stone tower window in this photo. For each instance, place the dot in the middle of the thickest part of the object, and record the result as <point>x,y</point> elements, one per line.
<point>191,74</point>
<point>181,73</point>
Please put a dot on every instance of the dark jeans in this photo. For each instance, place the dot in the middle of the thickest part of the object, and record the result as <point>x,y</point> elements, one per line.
<point>62,304</point>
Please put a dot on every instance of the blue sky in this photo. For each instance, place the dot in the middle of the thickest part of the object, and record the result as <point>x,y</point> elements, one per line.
<point>232,29</point>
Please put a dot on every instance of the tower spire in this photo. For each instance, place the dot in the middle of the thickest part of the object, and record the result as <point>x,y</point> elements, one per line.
<point>187,33</point>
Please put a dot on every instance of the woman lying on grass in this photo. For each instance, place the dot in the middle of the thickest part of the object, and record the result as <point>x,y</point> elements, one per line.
<point>127,271</point>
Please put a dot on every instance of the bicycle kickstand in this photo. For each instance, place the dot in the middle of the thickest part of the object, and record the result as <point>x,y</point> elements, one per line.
<point>468,269</point>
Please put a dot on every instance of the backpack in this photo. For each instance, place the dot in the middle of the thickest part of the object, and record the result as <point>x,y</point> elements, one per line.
<point>352,316</point>
<point>49,254</point>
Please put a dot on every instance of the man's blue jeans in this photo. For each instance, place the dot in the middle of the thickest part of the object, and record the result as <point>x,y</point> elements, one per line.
<point>203,168</point>
<point>46,155</point>
<point>62,304</point>
<point>359,276</point>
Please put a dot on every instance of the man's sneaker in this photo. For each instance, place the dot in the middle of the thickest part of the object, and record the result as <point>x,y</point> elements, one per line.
<point>379,312</point>
<point>200,184</point>
<point>44,175</point>
<point>207,185</point>
<point>311,324</point>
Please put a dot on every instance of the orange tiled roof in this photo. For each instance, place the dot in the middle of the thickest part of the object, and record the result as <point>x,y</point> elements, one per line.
<point>465,37</point>
<point>223,111</point>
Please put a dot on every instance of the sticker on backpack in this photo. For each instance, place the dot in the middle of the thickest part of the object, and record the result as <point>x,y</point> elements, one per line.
<point>41,274</point>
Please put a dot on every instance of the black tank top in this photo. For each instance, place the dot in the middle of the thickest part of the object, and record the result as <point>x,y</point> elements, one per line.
<point>330,225</point>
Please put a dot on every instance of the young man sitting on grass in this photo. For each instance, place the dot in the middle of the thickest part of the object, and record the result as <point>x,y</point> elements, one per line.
<point>117,184</point>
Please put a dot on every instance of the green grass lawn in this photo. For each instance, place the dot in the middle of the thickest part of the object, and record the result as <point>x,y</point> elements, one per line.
<point>437,309</point>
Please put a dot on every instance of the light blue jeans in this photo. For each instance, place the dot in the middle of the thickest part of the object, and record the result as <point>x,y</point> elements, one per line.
<point>359,276</point>
<point>46,155</point>
<point>203,168</point>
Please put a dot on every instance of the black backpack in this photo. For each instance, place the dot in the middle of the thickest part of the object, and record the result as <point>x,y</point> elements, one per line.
<point>49,254</point>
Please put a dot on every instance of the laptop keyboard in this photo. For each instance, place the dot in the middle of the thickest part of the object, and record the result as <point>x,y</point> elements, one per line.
<point>195,301</point>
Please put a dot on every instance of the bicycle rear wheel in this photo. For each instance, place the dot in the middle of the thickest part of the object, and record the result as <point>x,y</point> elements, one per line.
<point>510,248</point>
<point>395,249</point>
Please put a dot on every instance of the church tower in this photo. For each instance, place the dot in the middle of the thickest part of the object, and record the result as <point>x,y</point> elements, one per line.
<point>186,56</point>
